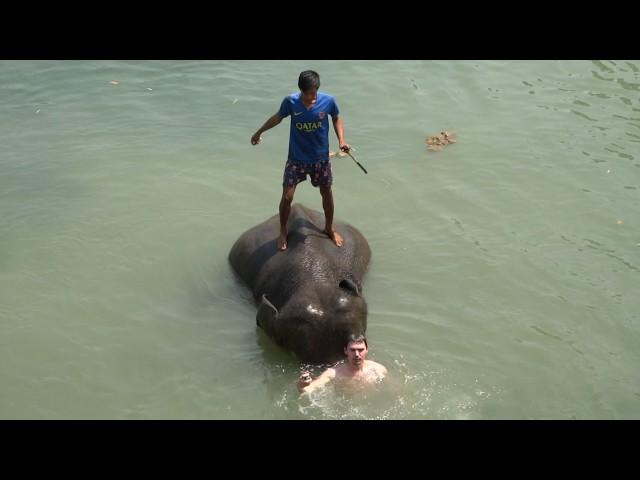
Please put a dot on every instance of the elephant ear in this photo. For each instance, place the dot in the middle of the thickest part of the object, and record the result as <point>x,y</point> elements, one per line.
<point>349,284</point>
<point>267,313</point>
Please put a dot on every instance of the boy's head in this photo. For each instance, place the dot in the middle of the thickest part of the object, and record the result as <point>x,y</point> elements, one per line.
<point>308,80</point>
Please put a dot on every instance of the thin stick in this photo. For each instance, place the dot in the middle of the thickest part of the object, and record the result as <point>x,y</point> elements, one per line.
<point>363,169</point>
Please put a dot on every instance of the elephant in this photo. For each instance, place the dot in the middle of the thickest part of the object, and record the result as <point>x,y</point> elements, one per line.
<point>309,296</point>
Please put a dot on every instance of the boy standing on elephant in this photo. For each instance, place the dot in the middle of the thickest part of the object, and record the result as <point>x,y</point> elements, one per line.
<point>308,148</point>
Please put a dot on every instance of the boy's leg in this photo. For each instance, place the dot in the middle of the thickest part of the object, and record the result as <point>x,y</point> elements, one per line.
<point>285,209</point>
<point>327,205</point>
<point>322,176</point>
<point>293,174</point>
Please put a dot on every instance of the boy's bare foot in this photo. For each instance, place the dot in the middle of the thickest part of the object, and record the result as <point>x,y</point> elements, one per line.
<point>335,236</point>
<point>282,242</point>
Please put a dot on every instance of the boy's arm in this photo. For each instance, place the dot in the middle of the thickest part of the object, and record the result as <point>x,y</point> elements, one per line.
<point>273,120</point>
<point>338,126</point>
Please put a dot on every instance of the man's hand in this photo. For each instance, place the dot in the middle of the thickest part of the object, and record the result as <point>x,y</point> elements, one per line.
<point>345,147</point>
<point>256,138</point>
<point>304,381</point>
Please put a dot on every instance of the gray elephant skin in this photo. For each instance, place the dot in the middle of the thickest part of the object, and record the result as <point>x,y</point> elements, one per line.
<point>310,295</point>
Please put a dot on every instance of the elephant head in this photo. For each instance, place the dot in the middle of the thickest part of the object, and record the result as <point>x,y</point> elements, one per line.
<point>315,321</point>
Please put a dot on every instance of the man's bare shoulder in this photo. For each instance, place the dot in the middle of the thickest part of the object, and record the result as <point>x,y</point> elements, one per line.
<point>339,369</point>
<point>376,367</point>
<point>330,372</point>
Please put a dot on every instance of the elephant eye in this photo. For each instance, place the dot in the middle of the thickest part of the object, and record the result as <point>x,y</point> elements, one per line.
<point>347,284</point>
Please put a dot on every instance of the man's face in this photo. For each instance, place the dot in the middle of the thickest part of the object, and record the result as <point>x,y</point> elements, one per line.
<point>310,96</point>
<point>356,352</point>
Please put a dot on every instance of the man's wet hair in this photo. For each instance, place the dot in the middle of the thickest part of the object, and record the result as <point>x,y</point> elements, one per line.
<point>308,80</point>
<point>356,338</point>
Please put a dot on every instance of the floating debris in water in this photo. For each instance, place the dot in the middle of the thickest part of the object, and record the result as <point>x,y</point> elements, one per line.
<point>235,100</point>
<point>38,111</point>
<point>620,222</point>
<point>439,141</point>
<point>114,82</point>
<point>608,171</point>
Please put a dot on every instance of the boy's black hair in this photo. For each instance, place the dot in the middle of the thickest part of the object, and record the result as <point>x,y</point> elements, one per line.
<point>308,80</point>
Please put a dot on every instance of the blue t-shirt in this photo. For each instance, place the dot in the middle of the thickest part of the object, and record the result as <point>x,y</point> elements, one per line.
<point>309,134</point>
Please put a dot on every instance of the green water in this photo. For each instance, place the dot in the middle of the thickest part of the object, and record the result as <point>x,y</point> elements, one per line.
<point>505,270</point>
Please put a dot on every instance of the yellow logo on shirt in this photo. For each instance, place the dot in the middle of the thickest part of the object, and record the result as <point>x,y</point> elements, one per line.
<point>309,126</point>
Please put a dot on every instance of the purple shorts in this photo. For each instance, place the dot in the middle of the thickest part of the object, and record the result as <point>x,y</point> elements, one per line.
<point>320,173</point>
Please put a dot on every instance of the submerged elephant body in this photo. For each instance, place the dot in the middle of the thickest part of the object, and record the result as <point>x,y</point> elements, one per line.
<point>309,296</point>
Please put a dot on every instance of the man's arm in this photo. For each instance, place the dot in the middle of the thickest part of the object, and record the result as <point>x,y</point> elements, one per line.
<point>273,120</point>
<point>338,126</point>
<point>323,379</point>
